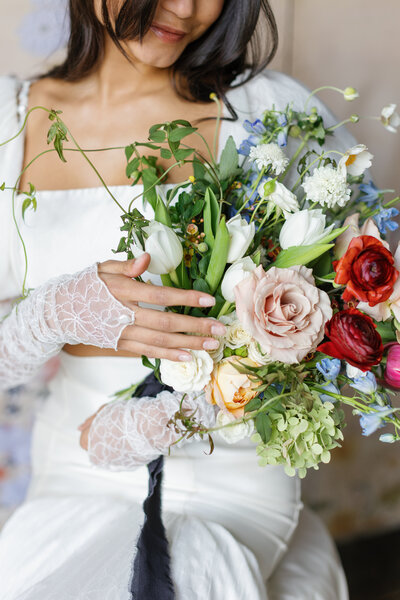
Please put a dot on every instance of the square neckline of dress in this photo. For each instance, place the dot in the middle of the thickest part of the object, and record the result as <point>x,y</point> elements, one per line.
<point>22,110</point>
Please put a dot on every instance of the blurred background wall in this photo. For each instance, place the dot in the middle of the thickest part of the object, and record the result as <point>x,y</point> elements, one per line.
<point>342,43</point>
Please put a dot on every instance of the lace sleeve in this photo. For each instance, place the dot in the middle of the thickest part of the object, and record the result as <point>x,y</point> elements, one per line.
<point>127,434</point>
<point>71,309</point>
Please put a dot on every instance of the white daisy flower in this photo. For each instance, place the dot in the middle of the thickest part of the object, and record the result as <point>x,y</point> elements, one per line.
<point>269,155</point>
<point>390,118</point>
<point>327,186</point>
<point>356,160</point>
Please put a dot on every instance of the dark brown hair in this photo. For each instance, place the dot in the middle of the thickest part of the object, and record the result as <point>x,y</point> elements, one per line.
<point>244,39</point>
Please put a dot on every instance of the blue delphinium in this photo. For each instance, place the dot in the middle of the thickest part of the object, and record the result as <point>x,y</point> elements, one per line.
<point>370,192</point>
<point>282,135</point>
<point>365,383</point>
<point>384,219</point>
<point>247,144</point>
<point>329,386</point>
<point>329,368</point>
<point>371,422</point>
<point>257,127</point>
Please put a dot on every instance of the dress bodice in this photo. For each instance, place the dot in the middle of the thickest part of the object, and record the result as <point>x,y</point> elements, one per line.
<point>73,228</point>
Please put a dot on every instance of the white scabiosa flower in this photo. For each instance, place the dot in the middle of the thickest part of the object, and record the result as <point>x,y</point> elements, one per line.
<point>390,118</point>
<point>190,376</point>
<point>236,336</point>
<point>269,155</point>
<point>304,228</point>
<point>233,433</point>
<point>241,235</point>
<point>356,160</point>
<point>328,187</point>
<point>279,195</point>
<point>258,354</point>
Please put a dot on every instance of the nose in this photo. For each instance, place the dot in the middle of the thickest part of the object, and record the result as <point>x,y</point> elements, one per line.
<point>183,9</point>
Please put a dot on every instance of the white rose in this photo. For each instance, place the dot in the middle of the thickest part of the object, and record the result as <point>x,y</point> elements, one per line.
<point>190,376</point>
<point>258,353</point>
<point>241,233</point>
<point>164,247</point>
<point>236,336</point>
<point>234,275</point>
<point>234,433</point>
<point>280,196</point>
<point>304,228</point>
<point>356,160</point>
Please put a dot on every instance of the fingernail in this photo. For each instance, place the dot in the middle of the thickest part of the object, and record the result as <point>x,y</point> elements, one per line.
<point>185,357</point>
<point>218,329</point>
<point>211,345</point>
<point>207,301</point>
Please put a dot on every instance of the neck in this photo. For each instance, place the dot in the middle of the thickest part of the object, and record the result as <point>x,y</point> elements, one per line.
<point>117,77</point>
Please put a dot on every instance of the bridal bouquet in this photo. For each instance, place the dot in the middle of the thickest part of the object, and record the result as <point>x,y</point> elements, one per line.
<point>290,239</point>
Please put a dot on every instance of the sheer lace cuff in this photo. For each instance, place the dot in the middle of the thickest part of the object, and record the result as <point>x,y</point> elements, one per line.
<point>127,434</point>
<point>71,309</point>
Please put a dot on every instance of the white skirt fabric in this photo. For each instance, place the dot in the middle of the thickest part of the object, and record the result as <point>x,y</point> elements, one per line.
<point>236,531</point>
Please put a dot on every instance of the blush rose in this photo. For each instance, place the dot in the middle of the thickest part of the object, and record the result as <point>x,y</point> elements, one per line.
<point>284,311</point>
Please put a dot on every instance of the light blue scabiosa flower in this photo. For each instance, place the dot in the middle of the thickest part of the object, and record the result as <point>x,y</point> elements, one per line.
<point>371,422</point>
<point>329,368</point>
<point>370,193</point>
<point>329,386</point>
<point>365,383</point>
<point>384,219</point>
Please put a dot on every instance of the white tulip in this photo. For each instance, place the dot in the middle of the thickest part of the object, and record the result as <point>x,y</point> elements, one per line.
<point>241,233</point>
<point>356,160</point>
<point>390,118</point>
<point>191,376</point>
<point>304,228</point>
<point>280,196</point>
<point>164,247</point>
<point>234,275</point>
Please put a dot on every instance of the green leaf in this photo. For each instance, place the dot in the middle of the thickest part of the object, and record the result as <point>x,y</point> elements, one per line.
<point>219,256</point>
<point>183,276</point>
<point>178,134</point>
<point>300,255</point>
<point>333,235</point>
<point>25,205</point>
<point>149,177</point>
<point>132,166</point>
<point>129,150</point>
<point>166,154</point>
<point>161,213</point>
<point>158,136</point>
<point>229,159</point>
<point>254,404</point>
<point>200,285</point>
<point>183,153</point>
<point>263,426</point>
<point>385,330</point>
<point>3,186</point>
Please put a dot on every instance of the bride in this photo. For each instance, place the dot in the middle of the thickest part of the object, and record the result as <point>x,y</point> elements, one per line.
<point>235,531</point>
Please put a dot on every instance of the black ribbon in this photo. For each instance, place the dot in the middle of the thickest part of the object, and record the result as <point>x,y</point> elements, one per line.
<point>151,578</point>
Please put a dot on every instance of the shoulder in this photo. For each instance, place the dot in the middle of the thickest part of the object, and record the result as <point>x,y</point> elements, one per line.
<point>274,87</point>
<point>9,90</point>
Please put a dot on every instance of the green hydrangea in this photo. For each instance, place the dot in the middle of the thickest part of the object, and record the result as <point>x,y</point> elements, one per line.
<point>301,438</point>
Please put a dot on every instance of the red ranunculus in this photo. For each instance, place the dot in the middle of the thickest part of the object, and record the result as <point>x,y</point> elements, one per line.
<point>367,271</point>
<point>353,337</point>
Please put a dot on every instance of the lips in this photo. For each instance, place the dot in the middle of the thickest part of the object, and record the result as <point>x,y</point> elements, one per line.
<point>167,34</point>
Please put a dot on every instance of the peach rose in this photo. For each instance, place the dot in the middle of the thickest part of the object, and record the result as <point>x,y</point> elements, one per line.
<point>229,389</point>
<point>284,311</point>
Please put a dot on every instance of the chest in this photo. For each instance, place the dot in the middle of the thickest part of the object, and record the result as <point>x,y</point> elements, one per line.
<point>103,133</point>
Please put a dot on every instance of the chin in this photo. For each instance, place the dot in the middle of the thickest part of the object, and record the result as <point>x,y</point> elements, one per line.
<point>155,56</point>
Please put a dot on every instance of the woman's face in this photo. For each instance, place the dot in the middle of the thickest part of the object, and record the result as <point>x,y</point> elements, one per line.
<point>176,24</point>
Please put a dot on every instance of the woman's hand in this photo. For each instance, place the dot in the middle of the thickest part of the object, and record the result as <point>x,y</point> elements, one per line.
<point>84,428</point>
<point>159,334</point>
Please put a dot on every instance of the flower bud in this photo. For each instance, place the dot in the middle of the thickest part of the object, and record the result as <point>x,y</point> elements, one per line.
<point>294,131</point>
<point>354,118</point>
<point>388,438</point>
<point>234,275</point>
<point>392,372</point>
<point>313,118</point>
<point>202,247</point>
<point>350,94</point>
<point>241,235</point>
<point>164,247</point>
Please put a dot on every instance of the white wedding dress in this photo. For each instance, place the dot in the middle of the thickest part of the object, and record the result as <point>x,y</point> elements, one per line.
<point>236,531</point>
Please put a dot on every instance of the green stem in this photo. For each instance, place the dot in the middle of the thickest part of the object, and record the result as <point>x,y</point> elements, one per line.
<point>225,308</point>
<point>253,189</point>
<point>177,164</point>
<point>323,87</point>
<point>174,278</point>
<point>295,155</point>
<point>215,98</point>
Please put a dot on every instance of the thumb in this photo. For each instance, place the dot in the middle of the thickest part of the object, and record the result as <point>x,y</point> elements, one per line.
<point>131,268</point>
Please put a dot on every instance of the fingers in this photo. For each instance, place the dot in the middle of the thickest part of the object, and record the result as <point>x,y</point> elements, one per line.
<point>171,322</point>
<point>130,268</point>
<point>162,339</point>
<point>177,355</point>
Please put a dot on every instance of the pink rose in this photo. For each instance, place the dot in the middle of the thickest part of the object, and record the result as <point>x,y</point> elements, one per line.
<point>284,311</point>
